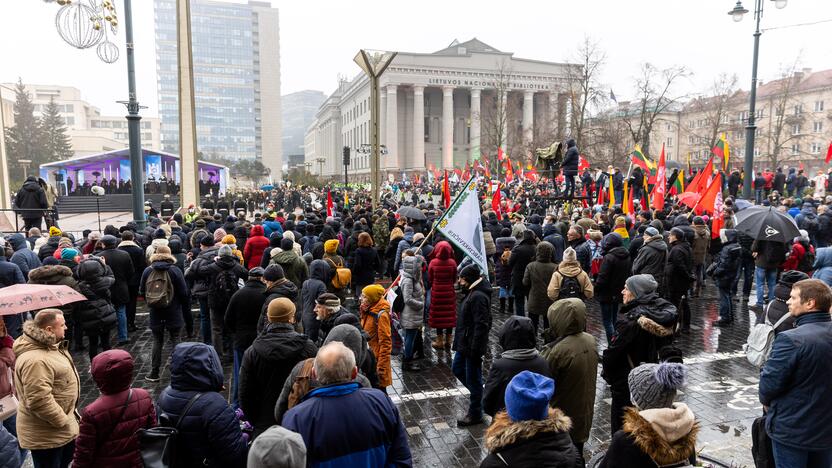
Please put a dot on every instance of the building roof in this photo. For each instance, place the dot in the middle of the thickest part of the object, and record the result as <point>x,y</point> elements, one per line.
<point>465,48</point>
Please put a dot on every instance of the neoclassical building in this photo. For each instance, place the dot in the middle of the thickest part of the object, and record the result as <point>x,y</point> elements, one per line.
<point>441,109</point>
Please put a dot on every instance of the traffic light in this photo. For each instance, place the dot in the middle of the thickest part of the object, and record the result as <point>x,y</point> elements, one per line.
<point>346,155</point>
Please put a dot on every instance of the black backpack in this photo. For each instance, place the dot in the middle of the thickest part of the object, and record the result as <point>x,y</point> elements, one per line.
<point>225,285</point>
<point>810,223</point>
<point>570,287</point>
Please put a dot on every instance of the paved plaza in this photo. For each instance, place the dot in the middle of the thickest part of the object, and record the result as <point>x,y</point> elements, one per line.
<point>722,391</point>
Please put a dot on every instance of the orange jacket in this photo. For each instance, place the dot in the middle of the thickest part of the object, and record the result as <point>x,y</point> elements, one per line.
<point>376,322</point>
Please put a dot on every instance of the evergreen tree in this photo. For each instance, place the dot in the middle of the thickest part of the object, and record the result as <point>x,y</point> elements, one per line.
<point>56,143</point>
<point>24,140</point>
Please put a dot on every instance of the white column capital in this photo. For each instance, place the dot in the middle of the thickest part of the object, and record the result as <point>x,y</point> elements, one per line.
<point>476,92</point>
<point>418,89</point>
<point>392,88</point>
<point>448,90</point>
<point>528,94</point>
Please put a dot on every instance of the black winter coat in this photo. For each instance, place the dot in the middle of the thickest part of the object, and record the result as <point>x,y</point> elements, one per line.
<point>615,269</point>
<point>521,256</point>
<point>266,365</point>
<point>169,317</point>
<point>138,260</point>
<point>532,443</point>
<point>473,322</point>
<point>365,264</point>
<point>211,270</point>
<point>243,311</point>
<point>679,269</point>
<point>571,160</point>
<point>200,284</point>
<point>31,196</point>
<point>94,282</point>
<point>727,264</point>
<point>283,288</point>
<point>651,261</point>
<point>122,266</point>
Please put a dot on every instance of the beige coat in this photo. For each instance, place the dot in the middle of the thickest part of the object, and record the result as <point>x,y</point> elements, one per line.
<point>569,269</point>
<point>48,388</point>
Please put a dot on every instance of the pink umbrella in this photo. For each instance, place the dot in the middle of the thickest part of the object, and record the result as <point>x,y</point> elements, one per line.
<point>21,298</point>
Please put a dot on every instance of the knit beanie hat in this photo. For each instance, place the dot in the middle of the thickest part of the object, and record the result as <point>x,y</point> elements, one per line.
<point>281,310</point>
<point>470,273</point>
<point>329,300</point>
<point>207,241</point>
<point>218,235</point>
<point>200,223</point>
<point>228,239</point>
<point>655,385</point>
<point>159,234</point>
<point>225,251</point>
<point>373,293</point>
<point>651,232</point>
<point>331,246</point>
<point>287,244</point>
<point>527,396</point>
<point>256,272</point>
<point>54,231</point>
<point>569,255</point>
<point>69,254</point>
<point>641,285</point>
<point>273,272</point>
<point>277,447</point>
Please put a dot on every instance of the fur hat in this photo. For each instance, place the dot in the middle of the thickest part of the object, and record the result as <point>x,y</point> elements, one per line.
<point>655,385</point>
<point>470,273</point>
<point>281,310</point>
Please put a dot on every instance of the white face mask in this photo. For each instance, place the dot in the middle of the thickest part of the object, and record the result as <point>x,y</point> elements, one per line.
<point>191,210</point>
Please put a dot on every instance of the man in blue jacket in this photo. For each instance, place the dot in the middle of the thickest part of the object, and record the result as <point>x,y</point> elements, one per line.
<point>794,383</point>
<point>343,424</point>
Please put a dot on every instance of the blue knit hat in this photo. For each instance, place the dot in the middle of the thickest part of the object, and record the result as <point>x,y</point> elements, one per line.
<point>528,395</point>
<point>69,253</point>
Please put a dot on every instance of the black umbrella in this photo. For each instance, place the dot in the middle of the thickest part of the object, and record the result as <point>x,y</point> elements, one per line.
<point>411,212</point>
<point>766,223</point>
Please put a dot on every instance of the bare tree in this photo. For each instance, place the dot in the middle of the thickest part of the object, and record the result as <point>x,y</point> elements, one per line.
<point>786,119</point>
<point>607,140</point>
<point>585,93</point>
<point>714,110</point>
<point>494,122</point>
<point>654,96</point>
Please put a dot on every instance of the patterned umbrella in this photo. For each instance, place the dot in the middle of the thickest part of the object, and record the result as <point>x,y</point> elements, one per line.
<point>21,298</point>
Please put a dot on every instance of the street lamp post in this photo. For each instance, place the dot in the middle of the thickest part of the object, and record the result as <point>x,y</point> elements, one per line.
<point>751,128</point>
<point>374,63</point>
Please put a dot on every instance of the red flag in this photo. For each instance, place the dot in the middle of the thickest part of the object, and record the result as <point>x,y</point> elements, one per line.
<point>583,197</point>
<point>600,192</point>
<point>446,191</point>
<point>718,221</point>
<point>700,180</point>
<point>500,155</point>
<point>800,166</point>
<point>329,203</point>
<point>509,172</point>
<point>708,200</point>
<point>582,163</point>
<point>495,202</point>
<point>661,183</point>
<point>829,153</point>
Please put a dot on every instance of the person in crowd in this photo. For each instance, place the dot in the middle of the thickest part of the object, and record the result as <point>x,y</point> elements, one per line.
<point>699,250</point>
<point>166,294</point>
<point>657,431</point>
<point>471,341</point>
<point>48,387</point>
<point>277,447</point>
<point>255,245</point>
<point>779,307</point>
<point>23,256</point>
<point>10,274</point>
<point>536,280</point>
<point>679,274</point>
<point>342,423</point>
<point>201,286</point>
<point>572,360</point>
<point>768,255</point>
<point>505,244</point>
<point>328,310</point>
<point>413,297</point>
<point>375,321</point>
<point>160,238</point>
<point>223,275</point>
<point>268,362</point>
<point>520,258</point>
<point>724,274</point>
<point>518,339</point>
<point>794,386</point>
<point>9,447</point>
<point>294,267</point>
<point>96,315</point>
<point>121,265</point>
<point>405,243</point>
<point>209,432</point>
<point>364,263</point>
<point>646,326</point>
<point>569,280</point>
<point>529,432</point>
<point>615,268</point>
<point>107,433</point>
<point>335,261</point>
<point>652,257</point>
<point>31,203</point>
<point>241,318</point>
<point>10,453</point>
<point>442,276</point>
<point>396,237</point>
<point>276,286</point>
<point>139,263</point>
<point>312,288</point>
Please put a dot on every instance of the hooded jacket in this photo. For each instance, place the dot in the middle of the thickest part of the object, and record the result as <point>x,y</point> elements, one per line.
<point>570,269</point>
<point>572,358</point>
<point>503,272</point>
<point>48,388</point>
<point>319,274</point>
<point>413,293</point>
<point>255,245</point>
<point>31,196</point>
<point>169,317</point>
<point>474,320</point>
<point>615,269</point>
<point>376,324</point>
<point>728,261</point>
<point>201,285</point>
<point>265,367</point>
<point>23,256</point>
<point>405,244</point>
<point>209,434</point>
<point>151,249</point>
<point>651,260</point>
<point>571,159</point>
<point>108,429</point>
<point>94,281</point>
<point>518,339</point>
<point>122,267</point>
<point>654,437</point>
<point>823,265</point>
<point>520,258</point>
<point>531,443</point>
<point>10,273</point>
<point>536,279</point>
<point>293,266</point>
<point>442,276</point>
<point>221,265</point>
<point>679,269</point>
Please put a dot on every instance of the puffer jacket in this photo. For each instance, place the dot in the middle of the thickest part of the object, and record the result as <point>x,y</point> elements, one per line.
<point>9,450</point>
<point>48,387</point>
<point>48,249</point>
<point>442,276</point>
<point>94,281</point>
<point>503,272</point>
<point>474,321</point>
<point>531,443</point>
<point>413,292</point>
<point>777,308</point>
<point>728,261</point>
<point>293,266</point>
<point>654,437</point>
<point>200,284</point>
<point>169,317</point>
<point>651,260</point>
<point>209,434</point>
<point>536,279</point>
<point>265,367</point>
<point>615,269</point>
<point>573,361</point>
<point>255,245</point>
<point>108,428</point>
<point>230,264</point>
<point>319,274</point>
<point>701,243</point>
<point>23,256</point>
<point>823,265</point>
<point>552,236</point>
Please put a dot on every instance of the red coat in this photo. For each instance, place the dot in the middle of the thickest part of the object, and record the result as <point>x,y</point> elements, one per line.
<point>255,245</point>
<point>102,441</point>
<point>442,276</point>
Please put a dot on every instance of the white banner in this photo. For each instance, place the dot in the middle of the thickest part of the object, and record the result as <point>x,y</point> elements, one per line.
<point>462,225</point>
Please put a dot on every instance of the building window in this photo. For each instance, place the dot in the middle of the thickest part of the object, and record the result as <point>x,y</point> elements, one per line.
<point>760,114</point>
<point>795,149</point>
<point>669,127</point>
<point>669,141</point>
<point>725,118</point>
<point>69,120</point>
<point>798,109</point>
<point>669,155</point>
<point>690,139</point>
<point>818,106</point>
<point>796,129</point>
<point>756,152</point>
<point>815,148</point>
<point>690,124</point>
<point>743,116</point>
<point>817,127</point>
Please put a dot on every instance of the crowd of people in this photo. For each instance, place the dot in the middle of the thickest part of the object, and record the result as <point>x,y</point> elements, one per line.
<point>309,310</point>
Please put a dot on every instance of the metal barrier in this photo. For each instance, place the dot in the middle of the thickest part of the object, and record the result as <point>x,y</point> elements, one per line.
<point>50,216</point>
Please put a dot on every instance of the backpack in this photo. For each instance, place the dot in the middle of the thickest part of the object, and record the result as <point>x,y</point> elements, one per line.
<point>806,263</point>
<point>570,287</point>
<point>342,277</point>
<point>810,223</point>
<point>302,384</point>
<point>225,285</point>
<point>761,339</point>
<point>158,289</point>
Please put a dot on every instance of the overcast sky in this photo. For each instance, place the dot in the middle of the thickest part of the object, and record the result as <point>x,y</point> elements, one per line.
<point>319,40</point>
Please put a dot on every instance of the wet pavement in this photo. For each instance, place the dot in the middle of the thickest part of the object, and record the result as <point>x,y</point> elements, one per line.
<point>721,391</point>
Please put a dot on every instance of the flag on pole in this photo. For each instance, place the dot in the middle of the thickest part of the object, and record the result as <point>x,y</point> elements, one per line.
<point>346,199</point>
<point>601,195</point>
<point>582,163</point>
<point>708,200</point>
<point>639,159</point>
<point>612,194</point>
<point>446,191</point>
<point>661,183</point>
<point>645,200</point>
<point>700,180</point>
<point>495,202</point>
<point>462,225</point>
<point>678,184</point>
<point>625,206</point>
<point>829,153</point>
<point>718,221</point>
<point>329,203</point>
<point>722,150</point>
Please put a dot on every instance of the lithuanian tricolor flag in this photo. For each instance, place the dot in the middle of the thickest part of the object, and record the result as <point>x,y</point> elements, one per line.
<point>722,150</point>
<point>678,184</point>
<point>639,159</point>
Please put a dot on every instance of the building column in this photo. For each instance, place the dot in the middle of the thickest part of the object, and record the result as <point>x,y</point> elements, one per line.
<point>476,115</point>
<point>382,119</point>
<point>393,159</point>
<point>503,110</point>
<point>528,117</point>
<point>418,127</point>
<point>447,127</point>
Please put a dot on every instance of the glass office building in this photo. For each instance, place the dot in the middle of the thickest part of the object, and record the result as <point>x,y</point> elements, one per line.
<point>235,54</point>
